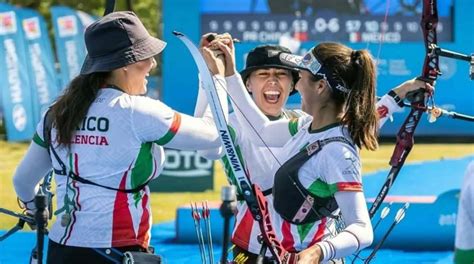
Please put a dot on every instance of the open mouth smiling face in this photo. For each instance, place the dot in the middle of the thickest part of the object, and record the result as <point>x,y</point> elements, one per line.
<point>270,89</point>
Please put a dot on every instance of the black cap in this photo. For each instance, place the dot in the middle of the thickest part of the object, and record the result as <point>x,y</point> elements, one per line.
<point>116,40</point>
<point>267,56</point>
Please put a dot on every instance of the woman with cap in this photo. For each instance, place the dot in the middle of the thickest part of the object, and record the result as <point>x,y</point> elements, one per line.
<point>269,82</point>
<point>317,172</point>
<point>267,74</point>
<point>104,141</point>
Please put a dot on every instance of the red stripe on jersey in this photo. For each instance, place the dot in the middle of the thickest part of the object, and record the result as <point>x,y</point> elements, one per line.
<point>243,230</point>
<point>144,227</point>
<point>288,241</point>
<point>143,235</point>
<point>176,123</point>
<point>76,165</point>
<point>320,232</point>
<point>382,111</point>
<point>349,186</point>
<point>122,224</point>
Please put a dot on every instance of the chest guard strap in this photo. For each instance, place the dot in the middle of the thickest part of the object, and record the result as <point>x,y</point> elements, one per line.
<point>291,199</point>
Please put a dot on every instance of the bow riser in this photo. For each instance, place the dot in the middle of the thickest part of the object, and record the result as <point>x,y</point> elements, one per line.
<point>270,238</point>
<point>430,72</point>
<point>405,138</point>
<point>429,22</point>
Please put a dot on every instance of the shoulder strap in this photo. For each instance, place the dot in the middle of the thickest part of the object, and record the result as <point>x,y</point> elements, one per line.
<point>47,127</point>
<point>317,146</point>
<point>47,124</point>
<point>86,181</point>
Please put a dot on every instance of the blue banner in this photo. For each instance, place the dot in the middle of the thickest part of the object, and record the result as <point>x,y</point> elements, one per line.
<point>41,67</point>
<point>400,57</point>
<point>69,39</point>
<point>14,84</point>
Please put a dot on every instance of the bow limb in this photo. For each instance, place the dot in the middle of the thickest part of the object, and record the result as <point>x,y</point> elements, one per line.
<point>430,72</point>
<point>252,195</point>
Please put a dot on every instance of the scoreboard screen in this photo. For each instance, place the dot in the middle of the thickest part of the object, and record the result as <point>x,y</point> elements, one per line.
<point>353,21</point>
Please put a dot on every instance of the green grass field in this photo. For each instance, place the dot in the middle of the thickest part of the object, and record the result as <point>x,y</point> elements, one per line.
<point>164,205</point>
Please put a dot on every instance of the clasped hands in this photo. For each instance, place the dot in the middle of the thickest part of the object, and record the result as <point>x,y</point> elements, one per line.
<point>218,52</point>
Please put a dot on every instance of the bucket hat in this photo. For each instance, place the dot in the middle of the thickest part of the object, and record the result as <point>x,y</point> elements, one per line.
<point>116,40</point>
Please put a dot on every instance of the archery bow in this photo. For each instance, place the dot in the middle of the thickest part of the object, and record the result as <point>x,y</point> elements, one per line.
<point>405,137</point>
<point>251,193</point>
<point>43,203</point>
<point>430,72</point>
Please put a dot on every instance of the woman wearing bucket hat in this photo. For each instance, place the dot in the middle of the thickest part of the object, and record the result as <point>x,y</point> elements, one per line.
<point>106,143</point>
<point>267,75</point>
<point>318,153</point>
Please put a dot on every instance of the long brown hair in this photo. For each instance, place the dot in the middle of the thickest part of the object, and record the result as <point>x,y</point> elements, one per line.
<point>71,107</point>
<point>356,70</point>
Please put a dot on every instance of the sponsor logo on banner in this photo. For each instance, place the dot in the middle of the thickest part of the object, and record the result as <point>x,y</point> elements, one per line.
<point>186,164</point>
<point>40,74</point>
<point>19,117</point>
<point>67,26</point>
<point>72,59</point>
<point>7,23</point>
<point>14,83</point>
<point>32,28</point>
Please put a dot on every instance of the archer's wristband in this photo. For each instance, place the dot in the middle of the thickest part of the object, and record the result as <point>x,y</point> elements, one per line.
<point>396,98</point>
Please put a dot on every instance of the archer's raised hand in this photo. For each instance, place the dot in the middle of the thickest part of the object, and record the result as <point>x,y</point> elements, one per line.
<point>212,55</point>
<point>227,48</point>
<point>412,85</point>
<point>214,62</point>
<point>206,39</point>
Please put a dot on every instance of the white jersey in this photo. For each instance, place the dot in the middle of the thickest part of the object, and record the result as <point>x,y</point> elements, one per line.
<point>256,160</point>
<point>335,168</point>
<point>465,219</point>
<point>296,238</point>
<point>116,145</point>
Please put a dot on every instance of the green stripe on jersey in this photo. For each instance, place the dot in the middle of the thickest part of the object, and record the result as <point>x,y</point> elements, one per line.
<point>174,127</point>
<point>142,170</point>
<point>166,138</point>
<point>39,141</point>
<point>293,126</point>
<point>143,165</point>
<point>322,189</point>
<point>464,256</point>
<point>303,230</point>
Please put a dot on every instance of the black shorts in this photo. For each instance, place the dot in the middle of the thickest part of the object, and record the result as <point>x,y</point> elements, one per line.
<point>59,254</point>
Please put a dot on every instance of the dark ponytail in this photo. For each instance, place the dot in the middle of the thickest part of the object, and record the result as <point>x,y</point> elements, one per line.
<point>356,71</point>
<point>71,107</point>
